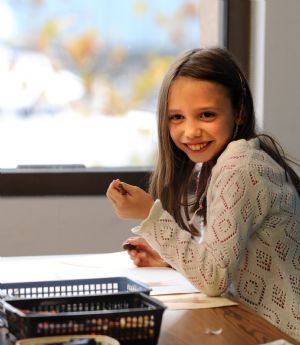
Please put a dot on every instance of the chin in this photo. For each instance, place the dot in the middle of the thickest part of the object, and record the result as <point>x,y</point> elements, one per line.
<point>198,160</point>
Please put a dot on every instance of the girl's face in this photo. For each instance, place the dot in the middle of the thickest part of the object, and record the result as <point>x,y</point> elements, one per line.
<point>200,117</point>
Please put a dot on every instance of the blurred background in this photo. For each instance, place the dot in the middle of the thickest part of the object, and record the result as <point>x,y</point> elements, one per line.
<point>79,79</point>
<point>78,88</point>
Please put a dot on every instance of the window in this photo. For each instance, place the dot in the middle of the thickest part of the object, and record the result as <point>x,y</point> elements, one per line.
<point>80,82</point>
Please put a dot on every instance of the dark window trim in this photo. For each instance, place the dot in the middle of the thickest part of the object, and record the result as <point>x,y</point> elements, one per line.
<point>238,31</point>
<point>66,181</point>
<point>77,181</point>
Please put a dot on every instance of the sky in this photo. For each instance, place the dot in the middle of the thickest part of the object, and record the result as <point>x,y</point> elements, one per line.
<point>116,20</point>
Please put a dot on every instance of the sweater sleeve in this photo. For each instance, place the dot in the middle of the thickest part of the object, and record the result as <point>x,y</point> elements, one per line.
<point>238,202</point>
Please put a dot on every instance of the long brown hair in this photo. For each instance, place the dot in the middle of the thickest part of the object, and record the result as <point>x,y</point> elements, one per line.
<point>174,177</point>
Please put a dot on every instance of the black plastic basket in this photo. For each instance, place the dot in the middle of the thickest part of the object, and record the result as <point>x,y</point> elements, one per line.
<point>74,287</point>
<point>131,318</point>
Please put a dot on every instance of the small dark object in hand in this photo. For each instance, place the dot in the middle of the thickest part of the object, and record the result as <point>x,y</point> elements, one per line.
<point>122,190</point>
<point>129,246</point>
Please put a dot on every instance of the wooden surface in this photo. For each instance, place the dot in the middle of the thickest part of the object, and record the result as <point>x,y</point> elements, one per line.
<point>239,325</point>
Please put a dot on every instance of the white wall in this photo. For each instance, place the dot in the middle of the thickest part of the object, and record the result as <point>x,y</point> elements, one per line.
<point>60,225</point>
<point>276,70</point>
<point>35,226</point>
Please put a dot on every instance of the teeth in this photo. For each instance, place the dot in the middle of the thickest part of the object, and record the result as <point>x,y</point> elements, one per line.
<point>197,147</point>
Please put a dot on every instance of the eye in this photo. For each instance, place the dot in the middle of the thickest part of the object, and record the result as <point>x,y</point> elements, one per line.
<point>207,115</point>
<point>175,117</point>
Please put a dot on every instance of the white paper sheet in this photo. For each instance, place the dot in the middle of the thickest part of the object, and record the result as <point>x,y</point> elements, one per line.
<point>24,269</point>
<point>175,291</point>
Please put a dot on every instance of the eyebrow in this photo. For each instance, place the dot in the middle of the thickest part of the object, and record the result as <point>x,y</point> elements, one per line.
<point>170,110</point>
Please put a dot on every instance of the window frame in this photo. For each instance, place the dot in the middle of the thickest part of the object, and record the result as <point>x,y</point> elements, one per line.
<point>67,181</point>
<point>78,181</point>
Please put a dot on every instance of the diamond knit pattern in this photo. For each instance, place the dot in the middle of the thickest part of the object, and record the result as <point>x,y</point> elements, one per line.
<point>251,244</point>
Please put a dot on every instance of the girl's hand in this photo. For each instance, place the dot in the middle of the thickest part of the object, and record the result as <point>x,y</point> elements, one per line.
<point>142,254</point>
<point>129,201</point>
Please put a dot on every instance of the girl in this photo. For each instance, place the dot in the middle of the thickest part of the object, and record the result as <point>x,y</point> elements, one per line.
<point>217,180</point>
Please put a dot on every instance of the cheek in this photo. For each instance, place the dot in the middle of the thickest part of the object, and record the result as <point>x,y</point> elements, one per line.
<point>172,132</point>
<point>224,132</point>
<point>175,137</point>
<point>225,129</point>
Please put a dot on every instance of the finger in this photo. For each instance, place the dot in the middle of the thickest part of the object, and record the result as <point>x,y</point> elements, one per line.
<point>142,262</point>
<point>132,254</point>
<point>126,241</point>
<point>129,188</point>
<point>111,198</point>
<point>110,190</point>
<point>130,240</point>
<point>139,262</point>
<point>113,187</point>
<point>136,260</point>
<point>137,241</point>
<point>139,258</point>
<point>114,194</point>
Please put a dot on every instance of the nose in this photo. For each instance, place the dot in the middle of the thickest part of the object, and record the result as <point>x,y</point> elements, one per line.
<point>192,129</point>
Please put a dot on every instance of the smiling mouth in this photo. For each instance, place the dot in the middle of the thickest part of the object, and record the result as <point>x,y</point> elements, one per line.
<point>197,147</point>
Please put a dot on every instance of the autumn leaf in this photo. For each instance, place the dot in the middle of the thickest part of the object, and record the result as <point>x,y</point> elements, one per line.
<point>82,48</point>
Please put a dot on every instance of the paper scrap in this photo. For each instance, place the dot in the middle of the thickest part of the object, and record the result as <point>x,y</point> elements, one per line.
<point>214,331</point>
<point>193,301</point>
<point>278,342</point>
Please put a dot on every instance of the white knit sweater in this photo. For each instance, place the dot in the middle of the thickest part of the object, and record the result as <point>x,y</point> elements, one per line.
<point>251,244</point>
